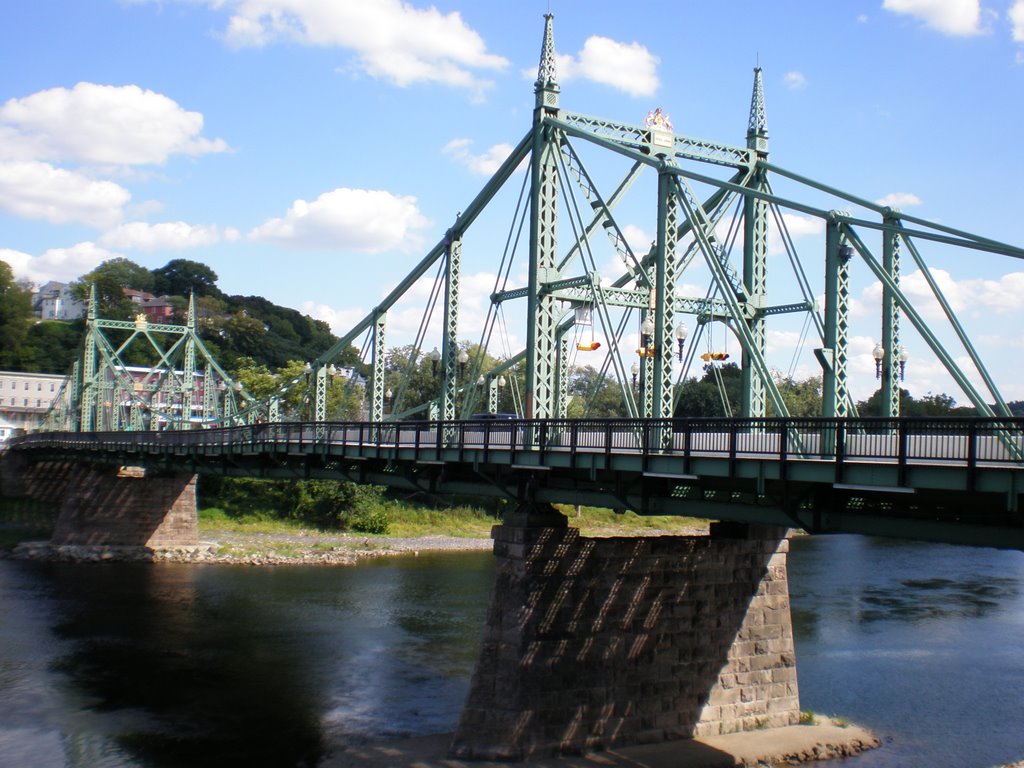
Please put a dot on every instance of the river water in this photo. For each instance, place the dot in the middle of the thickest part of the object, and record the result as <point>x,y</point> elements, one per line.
<point>186,665</point>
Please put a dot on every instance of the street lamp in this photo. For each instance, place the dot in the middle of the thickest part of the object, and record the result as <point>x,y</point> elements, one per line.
<point>501,391</point>
<point>463,359</point>
<point>902,357</point>
<point>681,333</point>
<point>388,394</point>
<point>646,333</point>
<point>435,358</point>
<point>635,370</point>
<point>878,353</point>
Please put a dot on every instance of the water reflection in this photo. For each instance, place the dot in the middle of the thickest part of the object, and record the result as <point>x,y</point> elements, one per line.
<point>194,675</point>
<point>119,666</point>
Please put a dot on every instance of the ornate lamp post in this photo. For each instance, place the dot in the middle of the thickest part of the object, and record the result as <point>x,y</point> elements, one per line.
<point>682,332</point>
<point>878,353</point>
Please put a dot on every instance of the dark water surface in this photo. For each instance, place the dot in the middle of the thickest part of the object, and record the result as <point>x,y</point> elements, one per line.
<point>178,665</point>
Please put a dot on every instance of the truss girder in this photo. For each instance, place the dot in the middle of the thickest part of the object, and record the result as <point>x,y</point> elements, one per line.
<point>542,309</point>
<point>377,355</point>
<point>755,262</point>
<point>450,339</point>
<point>638,137</point>
<point>738,325</point>
<point>890,321</point>
<point>664,305</point>
<point>834,354</point>
<point>904,304</point>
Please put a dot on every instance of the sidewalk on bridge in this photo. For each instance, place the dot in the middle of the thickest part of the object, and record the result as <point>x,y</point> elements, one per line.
<point>793,744</point>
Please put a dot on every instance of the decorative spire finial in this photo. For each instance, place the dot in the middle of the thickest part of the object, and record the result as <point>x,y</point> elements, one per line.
<point>546,87</point>
<point>757,128</point>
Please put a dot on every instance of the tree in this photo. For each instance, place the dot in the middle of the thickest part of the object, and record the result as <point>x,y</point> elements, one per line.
<point>181,277</point>
<point>802,398</point>
<point>53,345</point>
<point>15,317</point>
<point>705,397</point>
<point>594,395</point>
<point>111,278</point>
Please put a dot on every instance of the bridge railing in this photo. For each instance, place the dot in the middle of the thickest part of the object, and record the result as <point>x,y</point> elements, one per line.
<point>962,441</point>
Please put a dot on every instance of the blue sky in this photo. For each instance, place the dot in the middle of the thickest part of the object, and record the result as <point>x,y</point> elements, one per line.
<point>312,150</point>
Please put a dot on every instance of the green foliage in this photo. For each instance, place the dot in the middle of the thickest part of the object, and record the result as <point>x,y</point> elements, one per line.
<point>802,398</point>
<point>318,503</point>
<point>181,277</point>
<point>704,397</point>
<point>930,405</point>
<point>375,522</point>
<point>15,317</point>
<point>110,278</point>
<point>594,395</point>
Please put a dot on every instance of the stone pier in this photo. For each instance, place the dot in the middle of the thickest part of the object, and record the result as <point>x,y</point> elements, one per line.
<point>596,642</point>
<point>109,506</point>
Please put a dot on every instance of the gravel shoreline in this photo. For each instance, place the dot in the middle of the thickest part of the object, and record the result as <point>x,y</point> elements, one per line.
<point>251,548</point>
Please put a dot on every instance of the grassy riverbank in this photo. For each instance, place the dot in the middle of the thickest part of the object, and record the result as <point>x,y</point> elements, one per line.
<point>457,522</point>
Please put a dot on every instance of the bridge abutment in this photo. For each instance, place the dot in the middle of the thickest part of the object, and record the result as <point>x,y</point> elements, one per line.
<point>128,507</point>
<point>594,642</point>
<point>108,506</point>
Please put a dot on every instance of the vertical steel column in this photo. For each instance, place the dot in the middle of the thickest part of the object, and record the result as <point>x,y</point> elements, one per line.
<point>562,398</point>
<point>542,315</point>
<point>755,254</point>
<point>661,400</point>
<point>450,340</point>
<point>75,397</point>
<point>890,317</point>
<point>209,395</point>
<point>833,358</point>
<point>88,394</point>
<point>377,385</point>
<point>320,396</point>
<point>189,367</point>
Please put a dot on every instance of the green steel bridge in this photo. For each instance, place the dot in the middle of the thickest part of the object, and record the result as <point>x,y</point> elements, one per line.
<point>715,208</point>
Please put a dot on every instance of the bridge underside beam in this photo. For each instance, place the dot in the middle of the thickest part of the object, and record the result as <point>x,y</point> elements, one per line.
<point>939,503</point>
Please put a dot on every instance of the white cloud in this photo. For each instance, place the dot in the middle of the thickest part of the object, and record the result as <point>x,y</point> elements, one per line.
<point>166,236</point>
<point>35,190</point>
<point>393,40</point>
<point>629,67</point>
<point>484,165</point>
<point>951,17</point>
<point>1016,16</point>
<point>797,226</point>
<point>340,320</point>
<point>63,264</point>
<point>795,80</point>
<point>369,221</point>
<point>100,125</point>
<point>638,239</point>
<point>899,200</point>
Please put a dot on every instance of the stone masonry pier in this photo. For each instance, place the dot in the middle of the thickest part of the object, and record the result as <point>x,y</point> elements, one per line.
<point>108,506</point>
<point>594,642</point>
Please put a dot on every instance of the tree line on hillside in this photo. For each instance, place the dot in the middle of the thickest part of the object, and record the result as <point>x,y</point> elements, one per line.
<point>234,328</point>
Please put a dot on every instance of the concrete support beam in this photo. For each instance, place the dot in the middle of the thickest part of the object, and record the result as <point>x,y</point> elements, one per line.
<point>592,643</point>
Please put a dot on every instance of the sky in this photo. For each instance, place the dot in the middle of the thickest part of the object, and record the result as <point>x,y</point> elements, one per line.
<point>313,151</point>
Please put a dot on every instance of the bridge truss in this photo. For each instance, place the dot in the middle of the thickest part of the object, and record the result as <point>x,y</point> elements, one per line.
<point>715,211</point>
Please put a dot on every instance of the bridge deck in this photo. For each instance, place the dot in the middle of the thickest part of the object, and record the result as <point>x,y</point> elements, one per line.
<point>943,479</point>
